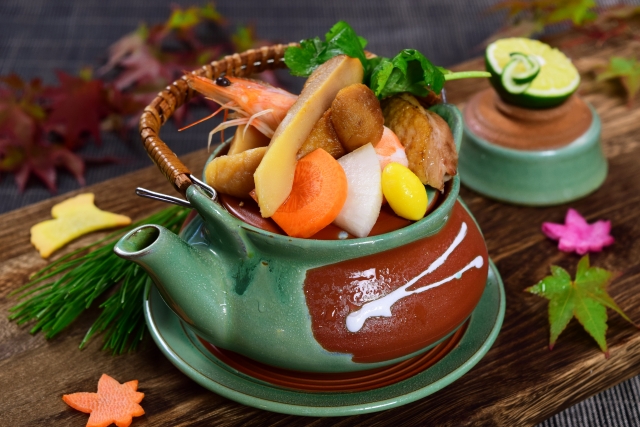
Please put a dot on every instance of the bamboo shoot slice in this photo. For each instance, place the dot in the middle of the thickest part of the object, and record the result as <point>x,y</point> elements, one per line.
<point>274,176</point>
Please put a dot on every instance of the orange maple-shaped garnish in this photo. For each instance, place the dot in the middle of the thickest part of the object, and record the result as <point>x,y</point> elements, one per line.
<point>113,403</point>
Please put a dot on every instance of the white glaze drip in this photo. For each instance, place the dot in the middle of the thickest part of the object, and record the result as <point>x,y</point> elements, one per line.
<point>382,306</point>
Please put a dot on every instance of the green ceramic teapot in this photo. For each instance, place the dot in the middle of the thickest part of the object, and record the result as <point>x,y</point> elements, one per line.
<point>319,305</point>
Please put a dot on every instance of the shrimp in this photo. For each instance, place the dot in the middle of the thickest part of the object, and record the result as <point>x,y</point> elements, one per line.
<point>390,149</point>
<point>253,102</point>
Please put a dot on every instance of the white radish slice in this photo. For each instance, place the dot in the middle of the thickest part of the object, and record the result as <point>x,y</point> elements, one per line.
<point>364,194</point>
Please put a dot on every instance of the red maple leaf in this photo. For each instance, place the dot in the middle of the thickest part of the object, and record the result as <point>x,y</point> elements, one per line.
<point>147,60</point>
<point>77,107</point>
<point>125,109</point>
<point>23,146</point>
<point>42,159</point>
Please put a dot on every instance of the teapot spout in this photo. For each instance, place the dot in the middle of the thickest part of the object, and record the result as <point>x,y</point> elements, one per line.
<point>182,273</point>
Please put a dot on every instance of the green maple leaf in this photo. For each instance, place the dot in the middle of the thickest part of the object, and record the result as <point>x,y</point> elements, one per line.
<point>537,14</point>
<point>184,19</point>
<point>244,38</point>
<point>625,69</point>
<point>577,11</point>
<point>584,298</point>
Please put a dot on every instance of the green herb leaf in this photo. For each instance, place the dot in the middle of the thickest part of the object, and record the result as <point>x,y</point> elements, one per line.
<point>408,71</point>
<point>584,298</point>
<point>340,40</point>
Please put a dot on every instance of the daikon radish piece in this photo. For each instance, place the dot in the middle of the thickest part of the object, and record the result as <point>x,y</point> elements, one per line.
<point>364,191</point>
<point>274,176</point>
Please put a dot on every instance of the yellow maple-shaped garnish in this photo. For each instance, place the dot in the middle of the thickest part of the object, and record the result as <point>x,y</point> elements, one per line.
<point>72,218</point>
<point>113,403</point>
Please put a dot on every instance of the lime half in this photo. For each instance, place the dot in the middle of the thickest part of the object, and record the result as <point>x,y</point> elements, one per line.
<point>556,80</point>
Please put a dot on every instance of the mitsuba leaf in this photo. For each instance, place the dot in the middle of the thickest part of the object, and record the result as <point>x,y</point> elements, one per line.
<point>340,40</point>
<point>584,298</point>
<point>408,71</point>
<point>303,60</point>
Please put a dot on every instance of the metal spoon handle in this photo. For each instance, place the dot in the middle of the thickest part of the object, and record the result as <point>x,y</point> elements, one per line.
<point>175,200</point>
<point>162,197</point>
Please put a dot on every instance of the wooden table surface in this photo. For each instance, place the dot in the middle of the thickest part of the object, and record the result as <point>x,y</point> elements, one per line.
<point>519,382</point>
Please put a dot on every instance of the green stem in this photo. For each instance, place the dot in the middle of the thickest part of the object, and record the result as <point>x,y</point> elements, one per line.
<point>466,75</point>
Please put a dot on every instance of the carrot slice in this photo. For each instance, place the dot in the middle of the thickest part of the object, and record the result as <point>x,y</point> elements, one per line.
<point>317,195</point>
<point>113,403</point>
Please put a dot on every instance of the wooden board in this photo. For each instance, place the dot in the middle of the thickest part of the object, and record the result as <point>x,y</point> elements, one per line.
<point>519,382</point>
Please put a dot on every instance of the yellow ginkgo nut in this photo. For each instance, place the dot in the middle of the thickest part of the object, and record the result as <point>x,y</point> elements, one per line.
<point>406,195</point>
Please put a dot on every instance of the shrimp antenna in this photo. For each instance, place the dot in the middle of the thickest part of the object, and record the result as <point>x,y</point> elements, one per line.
<point>226,115</point>
<point>224,125</point>
<point>250,122</point>
<point>223,107</point>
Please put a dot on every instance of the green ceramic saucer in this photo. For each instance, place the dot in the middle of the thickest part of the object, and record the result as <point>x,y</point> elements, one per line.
<point>185,351</point>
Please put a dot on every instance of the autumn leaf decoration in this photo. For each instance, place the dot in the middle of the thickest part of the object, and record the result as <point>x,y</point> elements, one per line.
<point>114,403</point>
<point>24,145</point>
<point>584,298</point>
<point>625,69</point>
<point>41,127</point>
<point>148,59</point>
<point>591,22</point>
<point>526,18</point>
<point>576,235</point>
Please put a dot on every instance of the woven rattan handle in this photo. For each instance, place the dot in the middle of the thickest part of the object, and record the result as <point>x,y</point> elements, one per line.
<point>158,112</point>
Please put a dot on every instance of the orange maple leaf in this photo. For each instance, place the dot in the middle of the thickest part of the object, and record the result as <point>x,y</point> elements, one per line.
<point>113,403</point>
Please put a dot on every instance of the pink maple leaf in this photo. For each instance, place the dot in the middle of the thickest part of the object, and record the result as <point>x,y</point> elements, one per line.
<point>577,235</point>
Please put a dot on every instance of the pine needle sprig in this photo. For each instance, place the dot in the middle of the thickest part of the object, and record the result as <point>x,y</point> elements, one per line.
<point>85,275</point>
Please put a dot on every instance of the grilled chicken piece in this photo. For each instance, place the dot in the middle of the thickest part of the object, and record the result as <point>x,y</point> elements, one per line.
<point>426,137</point>
<point>233,174</point>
